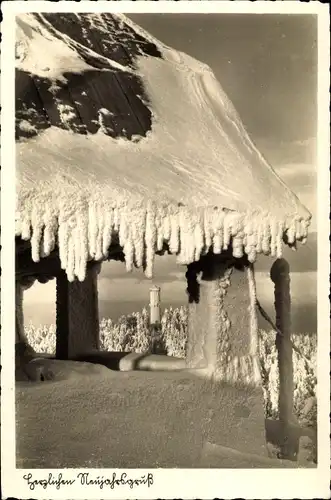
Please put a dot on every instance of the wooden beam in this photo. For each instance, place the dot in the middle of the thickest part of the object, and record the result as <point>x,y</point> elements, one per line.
<point>77,317</point>
<point>62,316</point>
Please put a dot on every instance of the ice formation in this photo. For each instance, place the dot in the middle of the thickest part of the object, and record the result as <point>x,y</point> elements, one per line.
<point>195,183</point>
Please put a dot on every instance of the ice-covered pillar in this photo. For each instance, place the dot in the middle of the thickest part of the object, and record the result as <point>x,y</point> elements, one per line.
<point>223,348</point>
<point>154,304</point>
<point>222,320</point>
<point>280,275</point>
<point>77,316</point>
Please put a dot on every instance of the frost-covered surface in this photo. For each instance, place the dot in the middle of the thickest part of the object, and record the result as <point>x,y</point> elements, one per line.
<point>132,334</point>
<point>136,141</point>
<point>304,371</point>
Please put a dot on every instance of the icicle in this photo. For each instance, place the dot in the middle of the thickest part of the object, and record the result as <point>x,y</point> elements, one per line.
<point>23,209</point>
<point>174,237</point>
<point>298,229</point>
<point>18,225</point>
<point>266,237</point>
<point>259,235</point>
<point>291,233</point>
<point>273,231</point>
<point>138,231</point>
<point>279,242</point>
<point>182,258</point>
<point>304,231</point>
<point>166,226</point>
<point>75,236</point>
<point>71,260</point>
<point>129,253</point>
<point>159,230</point>
<point>85,246</point>
<point>150,239</point>
<point>36,221</point>
<point>187,223</point>
<point>100,211</point>
<point>227,234</point>
<point>217,242</point>
<point>80,234</point>
<point>116,219</point>
<point>107,231</point>
<point>251,242</point>
<point>246,235</point>
<point>63,244</point>
<point>123,227</point>
<point>207,225</point>
<point>237,246</point>
<point>198,240</point>
<point>48,240</point>
<point>305,224</point>
<point>26,228</point>
<point>254,229</point>
<point>250,249</point>
<point>50,230</point>
<point>82,270</point>
<point>92,229</point>
<point>248,225</point>
<point>217,224</point>
<point>237,223</point>
<point>42,254</point>
<point>252,255</point>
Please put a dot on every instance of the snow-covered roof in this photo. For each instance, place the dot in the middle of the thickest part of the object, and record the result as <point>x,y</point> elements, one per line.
<point>119,136</point>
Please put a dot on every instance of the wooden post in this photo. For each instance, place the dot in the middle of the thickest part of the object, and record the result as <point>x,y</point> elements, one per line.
<point>280,275</point>
<point>154,304</point>
<point>62,316</point>
<point>77,318</point>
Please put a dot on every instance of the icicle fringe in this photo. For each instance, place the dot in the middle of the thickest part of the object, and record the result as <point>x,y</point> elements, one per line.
<point>83,226</point>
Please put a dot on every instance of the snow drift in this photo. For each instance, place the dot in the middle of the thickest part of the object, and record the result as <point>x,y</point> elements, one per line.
<point>120,138</point>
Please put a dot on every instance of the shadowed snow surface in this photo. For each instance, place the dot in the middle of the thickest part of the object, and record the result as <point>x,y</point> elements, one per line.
<point>92,62</point>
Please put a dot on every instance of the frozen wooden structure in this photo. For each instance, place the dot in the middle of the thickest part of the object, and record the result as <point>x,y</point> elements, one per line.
<point>99,178</point>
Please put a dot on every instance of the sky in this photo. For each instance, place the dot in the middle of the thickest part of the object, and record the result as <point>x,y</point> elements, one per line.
<point>267,65</point>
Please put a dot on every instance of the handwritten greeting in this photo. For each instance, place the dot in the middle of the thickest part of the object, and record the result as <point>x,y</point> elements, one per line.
<point>87,479</point>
